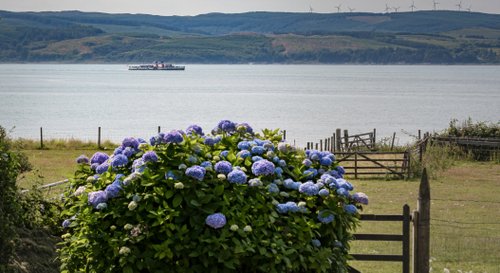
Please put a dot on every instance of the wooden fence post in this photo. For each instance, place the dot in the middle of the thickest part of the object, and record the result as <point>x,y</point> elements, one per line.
<point>284,134</point>
<point>374,138</point>
<point>393,138</point>
<point>41,138</point>
<point>321,145</point>
<point>406,238</point>
<point>346,140</point>
<point>99,137</point>
<point>422,231</point>
<point>356,164</point>
<point>159,129</point>
<point>338,140</point>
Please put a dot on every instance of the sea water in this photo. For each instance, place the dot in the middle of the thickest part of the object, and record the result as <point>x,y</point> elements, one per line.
<point>308,101</point>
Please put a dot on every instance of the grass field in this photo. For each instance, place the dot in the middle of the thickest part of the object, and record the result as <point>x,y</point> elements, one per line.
<point>465,211</point>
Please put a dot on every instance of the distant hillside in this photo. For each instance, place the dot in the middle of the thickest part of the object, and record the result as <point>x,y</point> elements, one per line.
<point>267,37</point>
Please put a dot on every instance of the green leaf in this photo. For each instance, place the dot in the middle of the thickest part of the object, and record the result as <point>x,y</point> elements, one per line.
<point>177,200</point>
<point>169,194</point>
<point>128,269</point>
<point>195,203</point>
<point>219,189</point>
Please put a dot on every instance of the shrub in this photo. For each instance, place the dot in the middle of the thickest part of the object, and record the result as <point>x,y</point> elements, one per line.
<point>190,202</point>
<point>470,129</point>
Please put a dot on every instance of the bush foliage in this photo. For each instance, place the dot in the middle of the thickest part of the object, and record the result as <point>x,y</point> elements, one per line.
<point>468,128</point>
<point>232,201</point>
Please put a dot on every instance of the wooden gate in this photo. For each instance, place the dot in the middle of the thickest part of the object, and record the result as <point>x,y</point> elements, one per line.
<point>375,163</point>
<point>404,258</point>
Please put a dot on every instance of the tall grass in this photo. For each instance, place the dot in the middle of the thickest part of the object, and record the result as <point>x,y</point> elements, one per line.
<point>62,144</point>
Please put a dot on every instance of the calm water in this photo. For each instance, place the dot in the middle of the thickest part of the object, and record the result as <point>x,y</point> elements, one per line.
<point>309,101</point>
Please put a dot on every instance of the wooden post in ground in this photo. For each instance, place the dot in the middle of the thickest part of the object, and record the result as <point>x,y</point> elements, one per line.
<point>422,227</point>
<point>393,138</point>
<point>321,145</point>
<point>356,164</point>
<point>284,134</point>
<point>41,138</point>
<point>406,239</point>
<point>338,140</point>
<point>332,143</point>
<point>99,137</point>
<point>374,138</point>
<point>346,140</point>
<point>159,129</point>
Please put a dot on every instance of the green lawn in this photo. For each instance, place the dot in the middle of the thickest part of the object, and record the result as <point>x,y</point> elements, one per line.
<point>465,211</point>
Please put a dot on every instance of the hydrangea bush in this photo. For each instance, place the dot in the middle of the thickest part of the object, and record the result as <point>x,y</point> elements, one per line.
<point>229,201</point>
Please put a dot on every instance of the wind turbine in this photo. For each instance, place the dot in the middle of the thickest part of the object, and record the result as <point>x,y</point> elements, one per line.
<point>338,7</point>
<point>412,7</point>
<point>435,4</point>
<point>351,9</point>
<point>459,5</point>
<point>387,8</point>
<point>396,9</point>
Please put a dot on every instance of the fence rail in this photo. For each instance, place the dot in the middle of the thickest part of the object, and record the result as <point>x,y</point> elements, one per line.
<point>376,163</point>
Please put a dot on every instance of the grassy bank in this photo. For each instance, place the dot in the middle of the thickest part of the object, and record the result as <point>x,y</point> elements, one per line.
<point>465,211</point>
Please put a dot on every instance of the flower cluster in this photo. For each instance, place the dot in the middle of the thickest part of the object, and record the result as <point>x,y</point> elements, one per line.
<point>185,184</point>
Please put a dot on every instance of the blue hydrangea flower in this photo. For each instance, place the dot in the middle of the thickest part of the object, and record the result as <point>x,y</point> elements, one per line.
<point>326,161</point>
<point>278,171</point>
<point>138,165</point>
<point>158,139</point>
<point>243,154</point>
<point>290,184</point>
<point>316,243</point>
<point>244,145</point>
<point>97,197</point>
<point>216,220</point>
<point>118,150</point>
<point>196,172</point>
<point>141,140</point>
<point>361,198</point>
<point>340,170</point>
<point>335,174</point>
<point>325,216</point>
<point>206,164</point>
<point>174,136</point>
<point>276,159</point>
<point>237,176</point>
<point>170,175</point>
<point>119,161</point>
<point>342,183</point>
<point>209,141</point>
<point>130,142</point>
<point>350,209</point>
<point>309,188</point>
<point>263,167</point>
<point>314,155</point>
<point>129,151</point>
<point>282,147</point>
<point>194,129</point>
<point>310,173</point>
<point>223,167</point>
<point>306,162</point>
<point>245,128</point>
<point>287,207</point>
<point>114,189</point>
<point>66,223</point>
<point>258,150</point>
<point>282,163</point>
<point>273,188</point>
<point>150,156</point>
<point>82,160</point>
<point>99,158</point>
<point>224,154</point>
<point>102,168</point>
<point>226,126</point>
<point>256,158</point>
<point>324,192</point>
<point>342,192</point>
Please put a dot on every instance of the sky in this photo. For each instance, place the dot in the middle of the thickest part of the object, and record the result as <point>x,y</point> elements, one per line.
<point>195,7</point>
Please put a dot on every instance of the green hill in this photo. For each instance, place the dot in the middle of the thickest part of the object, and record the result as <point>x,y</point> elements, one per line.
<point>267,37</point>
